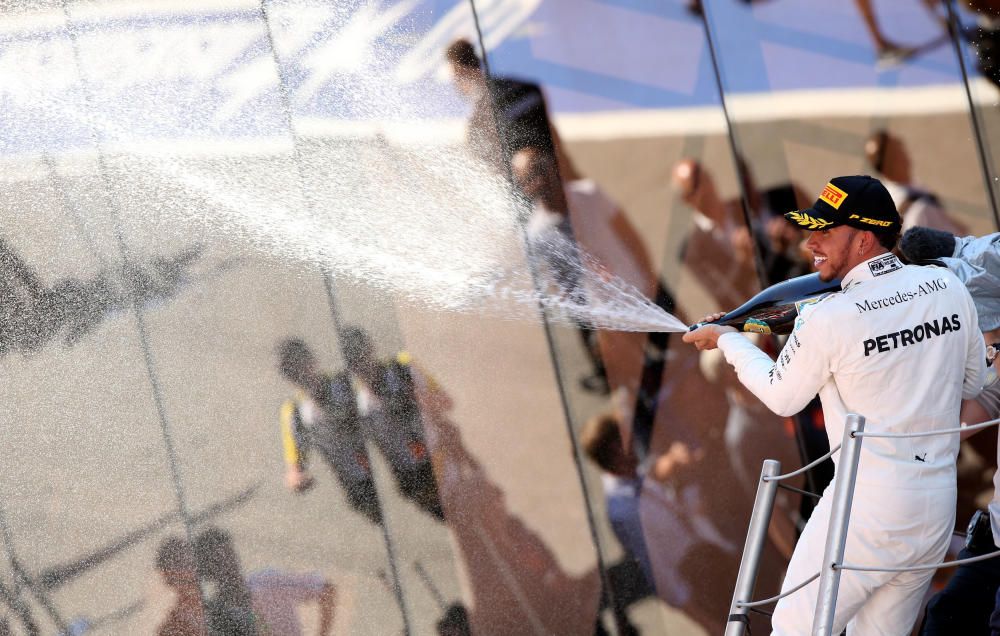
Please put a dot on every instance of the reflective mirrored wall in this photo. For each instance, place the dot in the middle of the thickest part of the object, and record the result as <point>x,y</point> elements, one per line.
<point>327,317</point>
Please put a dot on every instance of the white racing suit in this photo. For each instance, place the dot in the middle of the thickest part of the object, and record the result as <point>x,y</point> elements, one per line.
<point>899,345</point>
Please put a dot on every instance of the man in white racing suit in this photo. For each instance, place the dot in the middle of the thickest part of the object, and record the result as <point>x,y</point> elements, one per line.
<point>900,346</point>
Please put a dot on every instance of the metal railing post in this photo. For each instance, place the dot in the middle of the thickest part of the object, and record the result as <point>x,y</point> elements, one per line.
<point>840,515</point>
<point>760,519</point>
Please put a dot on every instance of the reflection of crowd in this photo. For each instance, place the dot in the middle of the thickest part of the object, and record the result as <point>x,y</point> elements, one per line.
<point>212,595</point>
<point>680,537</point>
<point>677,472</point>
<point>372,403</point>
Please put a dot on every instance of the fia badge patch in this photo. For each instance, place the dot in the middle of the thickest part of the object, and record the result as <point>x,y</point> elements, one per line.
<point>884,265</point>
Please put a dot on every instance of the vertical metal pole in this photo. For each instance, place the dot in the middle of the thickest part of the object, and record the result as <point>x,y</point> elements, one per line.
<point>734,148</point>
<point>760,519</point>
<point>985,159</point>
<point>840,517</point>
<point>114,211</point>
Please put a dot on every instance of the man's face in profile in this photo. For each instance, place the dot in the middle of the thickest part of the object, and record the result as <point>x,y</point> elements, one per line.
<point>832,249</point>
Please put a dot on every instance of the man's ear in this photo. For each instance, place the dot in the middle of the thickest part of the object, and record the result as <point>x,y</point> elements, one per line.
<point>867,241</point>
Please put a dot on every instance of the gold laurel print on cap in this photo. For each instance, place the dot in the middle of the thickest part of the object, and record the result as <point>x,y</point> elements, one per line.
<point>808,222</point>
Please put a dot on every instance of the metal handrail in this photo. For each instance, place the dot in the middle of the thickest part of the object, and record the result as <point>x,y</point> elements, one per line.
<point>774,599</point>
<point>746,576</point>
<point>806,493</point>
<point>842,494</point>
<point>947,431</point>
<point>812,464</point>
<point>917,568</point>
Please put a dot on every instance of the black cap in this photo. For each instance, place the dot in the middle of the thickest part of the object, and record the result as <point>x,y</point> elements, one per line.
<point>857,201</point>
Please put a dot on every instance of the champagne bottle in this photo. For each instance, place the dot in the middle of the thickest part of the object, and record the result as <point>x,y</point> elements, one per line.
<point>774,309</point>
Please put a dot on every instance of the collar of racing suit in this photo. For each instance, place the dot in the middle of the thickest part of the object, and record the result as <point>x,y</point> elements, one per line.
<point>873,267</point>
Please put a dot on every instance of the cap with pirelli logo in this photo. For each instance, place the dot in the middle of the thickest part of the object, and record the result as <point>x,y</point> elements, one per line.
<point>858,201</point>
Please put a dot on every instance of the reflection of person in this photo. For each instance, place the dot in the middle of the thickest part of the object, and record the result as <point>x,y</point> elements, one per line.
<point>888,52</point>
<point>516,583</point>
<point>263,602</point>
<point>176,564</point>
<point>903,364</point>
<point>601,441</point>
<point>371,399</point>
<point>746,438</point>
<point>657,514</point>
<point>379,397</point>
<point>228,603</point>
<point>308,423</point>
<point>777,240</point>
<point>516,107</point>
<point>887,155</point>
<point>632,577</point>
<point>454,622</point>
<point>551,234</point>
<point>719,248</point>
<point>578,214</point>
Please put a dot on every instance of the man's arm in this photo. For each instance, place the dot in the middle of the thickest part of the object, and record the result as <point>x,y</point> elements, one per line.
<point>296,477</point>
<point>787,385</point>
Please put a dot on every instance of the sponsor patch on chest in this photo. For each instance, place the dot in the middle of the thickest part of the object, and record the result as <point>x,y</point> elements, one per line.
<point>902,296</point>
<point>914,335</point>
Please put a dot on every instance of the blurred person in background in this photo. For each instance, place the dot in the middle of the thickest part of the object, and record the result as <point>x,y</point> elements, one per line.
<point>888,51</point>
<point>718,253</point>
<point>309,422</point>
<point>454,622</point>
<point>335,413</point>
<point>176,564</point>
<point>658,514</point>
<point>719,223</point>
<point>228,602</point>
<point>632,577</point>
<point>718,250</point>
<point>507,114</point>
<point>554,243</point>
<point>887,156</point>
<point>776,239</point>
<point>265,602</point>
<point>581,236</point>
<point>379,397</point>
<point>749,433</point>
